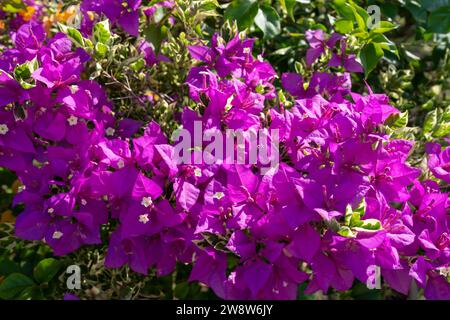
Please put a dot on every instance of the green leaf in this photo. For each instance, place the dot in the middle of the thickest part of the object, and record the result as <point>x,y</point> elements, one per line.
<point>442,130</point>
<point>384,26</point>
<point>344,26</point>
<point>73,34</point>
<point>298,67</point>
<point>439,20</point>
<point>31,293</point>
<point>446,114</point>
<point>209,5</point>
<point>417,11</point>
<point>46,270</point>
<point>102,32</point>
<point>243,11</point>
<point>8,266</point>
<point>343,9</point>
<point>370,54</point>
<point>397,121</point>
<point>348,214</point>
<point>346,232</point>
<point>361,208</point>
<point>281,51</point>
<point>369,224</point>
<point>361,292</point>
<point>126,293</point>
<point>432,5</point>
<point>360,21</point>
<point>430,121</point>
<point>281,96</point>
<point>319,26</point>
<point>352,12</point>
<point>182,290</point>
<point>268,21</point>
<point>155,34</point>
<point>288,6</point>
<point>353,217</point>
<point>384,43</point>
<point>14,284</point>
<point>407,133</point>
<point>137,65</point>
<point>389,9</point>
<point>361,15</point>
<point>23,72</point>
<point>76,37</point>
<point>333,224</point>
<point>13,6</point>
<point>88,44</point>
<point>101,49</point>
<point>428,105</point>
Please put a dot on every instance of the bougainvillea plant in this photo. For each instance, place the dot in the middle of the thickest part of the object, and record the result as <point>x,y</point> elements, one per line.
<point>91,93</point>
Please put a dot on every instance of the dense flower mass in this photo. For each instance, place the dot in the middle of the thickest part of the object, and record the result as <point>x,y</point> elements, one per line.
<point>342,199</point>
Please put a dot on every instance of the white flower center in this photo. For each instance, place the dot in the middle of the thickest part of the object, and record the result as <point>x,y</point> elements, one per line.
<point>120,164</point>
<point>218,195</point>
<point>143,218</point>
<point>74,89</point>
<point>198,172</point>
<point>3,129</point>
<point>57,235</point>
<point>110,132</point>
<point>50,210</point>
<point>72,120</point>
<point>146,202</point>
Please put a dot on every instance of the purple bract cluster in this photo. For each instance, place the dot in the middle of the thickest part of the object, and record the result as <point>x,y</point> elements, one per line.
<point>343,198</point>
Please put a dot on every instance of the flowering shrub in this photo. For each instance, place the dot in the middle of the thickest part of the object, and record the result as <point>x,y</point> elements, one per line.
<point>86,125</point>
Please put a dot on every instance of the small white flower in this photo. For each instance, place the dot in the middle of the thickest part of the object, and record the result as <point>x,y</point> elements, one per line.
<point>110,132</point>
<point>57,235</point>
<point>50,210</point>
<point>198,172</point>
<point>3,129</point>
<point>443,271</point>
<point>120,164</point>
<point>146,202</point>
<point>83,202</point>
<point>74,89</point>
<point>72,120</point>
<point>143,218</point>
<point>218,195</point>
